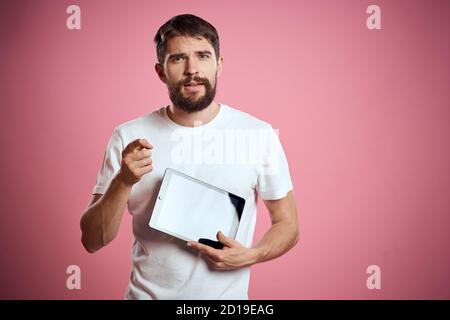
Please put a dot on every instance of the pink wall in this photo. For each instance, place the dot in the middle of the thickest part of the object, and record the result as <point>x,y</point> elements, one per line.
<point>363,116</point>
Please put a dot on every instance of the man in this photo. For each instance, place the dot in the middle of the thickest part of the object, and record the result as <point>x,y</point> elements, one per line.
<point>139,151</point>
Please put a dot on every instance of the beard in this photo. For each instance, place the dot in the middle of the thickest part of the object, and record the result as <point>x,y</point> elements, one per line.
<point>190,102</point>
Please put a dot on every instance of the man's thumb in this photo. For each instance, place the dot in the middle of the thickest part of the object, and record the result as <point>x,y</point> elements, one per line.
<point>223,239</point>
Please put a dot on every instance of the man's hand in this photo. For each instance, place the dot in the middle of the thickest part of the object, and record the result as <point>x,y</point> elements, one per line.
<point>136,161</point>
<point>233,255</point>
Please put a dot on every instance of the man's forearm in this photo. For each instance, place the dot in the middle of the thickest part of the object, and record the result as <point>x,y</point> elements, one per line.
<point>100,223</point>
<point>280,238</point>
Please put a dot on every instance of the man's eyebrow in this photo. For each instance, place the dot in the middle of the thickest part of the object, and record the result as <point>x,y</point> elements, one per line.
<point>204,52</point>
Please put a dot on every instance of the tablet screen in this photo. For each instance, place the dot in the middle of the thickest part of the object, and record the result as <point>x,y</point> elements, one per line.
<point>191,209</point>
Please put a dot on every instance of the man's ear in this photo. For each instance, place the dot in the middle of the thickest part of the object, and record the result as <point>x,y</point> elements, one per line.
<point>160,71</point>
<point>219,66</point>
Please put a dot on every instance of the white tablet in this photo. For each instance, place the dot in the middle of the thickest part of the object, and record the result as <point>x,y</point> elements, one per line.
<point>193,210</point>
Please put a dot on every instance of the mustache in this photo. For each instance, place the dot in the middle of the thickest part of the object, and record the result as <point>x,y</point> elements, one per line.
<point>196,79</point>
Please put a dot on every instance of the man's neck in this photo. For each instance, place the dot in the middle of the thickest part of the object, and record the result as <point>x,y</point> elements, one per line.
<point>193,119</point>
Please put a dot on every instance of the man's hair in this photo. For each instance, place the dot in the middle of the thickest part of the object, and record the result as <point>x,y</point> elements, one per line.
<point>185,25</point>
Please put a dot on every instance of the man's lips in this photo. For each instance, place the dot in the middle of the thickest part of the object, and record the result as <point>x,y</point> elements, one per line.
<point>189,84</point>
<point>193,86</point>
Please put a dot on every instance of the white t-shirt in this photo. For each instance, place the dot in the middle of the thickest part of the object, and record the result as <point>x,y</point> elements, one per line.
<point>235,152</point>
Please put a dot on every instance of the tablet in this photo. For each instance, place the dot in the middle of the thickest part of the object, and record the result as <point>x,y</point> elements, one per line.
<point>193,210</point>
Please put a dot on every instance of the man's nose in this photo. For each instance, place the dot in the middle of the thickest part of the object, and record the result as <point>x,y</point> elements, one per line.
<point>191,67</point>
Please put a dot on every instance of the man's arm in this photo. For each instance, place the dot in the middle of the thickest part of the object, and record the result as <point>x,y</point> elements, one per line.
<point>101,220</point>
<point>282,236</point>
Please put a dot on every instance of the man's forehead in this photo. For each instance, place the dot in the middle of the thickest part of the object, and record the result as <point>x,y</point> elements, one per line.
<point>181,44</point>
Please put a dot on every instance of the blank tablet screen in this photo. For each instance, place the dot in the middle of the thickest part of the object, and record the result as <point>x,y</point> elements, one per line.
<point>191,209</point>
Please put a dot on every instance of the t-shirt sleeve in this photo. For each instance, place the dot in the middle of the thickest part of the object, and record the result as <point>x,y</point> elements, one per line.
<point>111,163</point>
<point>274,180</point>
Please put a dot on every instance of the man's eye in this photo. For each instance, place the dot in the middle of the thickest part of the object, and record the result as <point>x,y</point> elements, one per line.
<point>204,56</point>
<point>177,59</point>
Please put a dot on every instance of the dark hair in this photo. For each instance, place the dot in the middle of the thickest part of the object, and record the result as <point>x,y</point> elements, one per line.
<point>185,25</point>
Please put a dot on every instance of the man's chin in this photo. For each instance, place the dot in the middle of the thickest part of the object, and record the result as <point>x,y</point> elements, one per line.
<point>199,93</point>
<point>193,96</point>
<point>191,105</point>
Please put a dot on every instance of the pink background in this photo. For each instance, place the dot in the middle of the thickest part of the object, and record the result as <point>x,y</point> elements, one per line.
<point>363,116</point>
